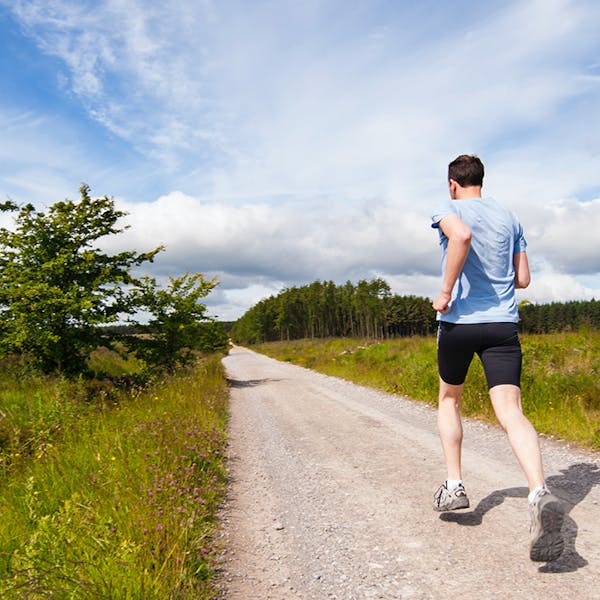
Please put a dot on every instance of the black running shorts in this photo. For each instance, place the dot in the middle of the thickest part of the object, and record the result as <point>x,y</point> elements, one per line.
<point>496,344</point>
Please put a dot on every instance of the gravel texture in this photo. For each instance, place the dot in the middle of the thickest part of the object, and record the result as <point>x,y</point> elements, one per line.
<point>331,497</point>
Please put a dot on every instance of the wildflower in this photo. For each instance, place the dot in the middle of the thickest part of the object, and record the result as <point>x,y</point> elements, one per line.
<point>159,527</point>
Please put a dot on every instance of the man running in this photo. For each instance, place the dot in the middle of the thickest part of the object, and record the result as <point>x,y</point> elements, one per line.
<point>484,260</point>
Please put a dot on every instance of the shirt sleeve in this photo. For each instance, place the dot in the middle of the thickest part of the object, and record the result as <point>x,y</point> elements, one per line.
<point>442,210</point>
<point>520,241</point>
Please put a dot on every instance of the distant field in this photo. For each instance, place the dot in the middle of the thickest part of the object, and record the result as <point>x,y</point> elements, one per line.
<point>560,382</point>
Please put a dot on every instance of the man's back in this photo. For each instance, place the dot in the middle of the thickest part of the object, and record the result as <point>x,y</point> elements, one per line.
<point>485,289</point>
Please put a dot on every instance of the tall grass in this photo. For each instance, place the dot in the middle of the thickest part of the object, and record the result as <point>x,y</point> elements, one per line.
<point>119,499</point>
<point>560,381</point>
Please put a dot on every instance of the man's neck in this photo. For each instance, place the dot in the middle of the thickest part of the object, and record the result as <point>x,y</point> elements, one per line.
<point>464,193</point>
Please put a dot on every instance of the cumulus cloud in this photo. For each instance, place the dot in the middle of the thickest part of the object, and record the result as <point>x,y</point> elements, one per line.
<point>567,236</point>
<point>549,286</point>
<point>290,241</point>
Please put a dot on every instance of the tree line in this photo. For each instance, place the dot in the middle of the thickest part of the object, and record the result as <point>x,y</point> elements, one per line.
<point>368,309</point>
<point>556,317</point>
<point>60,292</point>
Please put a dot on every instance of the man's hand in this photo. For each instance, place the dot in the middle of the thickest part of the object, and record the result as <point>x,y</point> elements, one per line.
<point>441,302</point>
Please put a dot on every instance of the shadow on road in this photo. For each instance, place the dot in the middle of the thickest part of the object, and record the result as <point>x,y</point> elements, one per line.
<point>247,383</point>
<point>572,486</point>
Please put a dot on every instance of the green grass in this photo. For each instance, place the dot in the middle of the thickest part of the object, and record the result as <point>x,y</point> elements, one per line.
<point>560,381</point>
<point>116,364</point>
<point>115,492</point>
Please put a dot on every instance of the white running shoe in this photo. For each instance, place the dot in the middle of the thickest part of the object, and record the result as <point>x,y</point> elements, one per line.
<point>547,515</point>
<point>446,499</point>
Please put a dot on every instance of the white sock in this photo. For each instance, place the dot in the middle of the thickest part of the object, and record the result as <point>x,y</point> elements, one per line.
<point>452,484</point>
<point>535,492</point>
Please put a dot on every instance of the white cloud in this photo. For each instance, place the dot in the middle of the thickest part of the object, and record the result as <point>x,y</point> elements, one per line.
<point>230,303</point>
<point>548,286</point>
<point>567,236</point>
<point>290,241</point>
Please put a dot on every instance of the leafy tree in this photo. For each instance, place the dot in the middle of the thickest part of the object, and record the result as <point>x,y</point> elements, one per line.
<point>56,287</point>
<point>178,324</point>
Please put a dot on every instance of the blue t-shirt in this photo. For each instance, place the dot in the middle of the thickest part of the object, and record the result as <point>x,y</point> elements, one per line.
<point>485,289</point>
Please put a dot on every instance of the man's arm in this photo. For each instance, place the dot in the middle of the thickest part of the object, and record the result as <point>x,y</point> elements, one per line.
<point>459,243</point>
<point>522,275</point>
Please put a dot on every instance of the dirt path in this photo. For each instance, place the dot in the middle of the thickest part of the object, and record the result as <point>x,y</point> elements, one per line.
<point>331,494</point>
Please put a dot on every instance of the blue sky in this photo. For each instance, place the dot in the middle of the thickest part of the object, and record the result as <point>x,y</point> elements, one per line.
<point>274,143</point>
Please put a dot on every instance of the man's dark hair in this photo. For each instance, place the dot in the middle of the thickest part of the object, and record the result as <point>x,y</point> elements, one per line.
<point>466,170</point>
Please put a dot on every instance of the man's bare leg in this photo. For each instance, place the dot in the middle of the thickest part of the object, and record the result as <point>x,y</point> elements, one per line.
<point>547,512</point>
<point>450,427</point>
<point>506,400</point>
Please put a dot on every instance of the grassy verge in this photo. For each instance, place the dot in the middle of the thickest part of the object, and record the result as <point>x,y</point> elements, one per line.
<point>560,382</point>
<point>115,496</point>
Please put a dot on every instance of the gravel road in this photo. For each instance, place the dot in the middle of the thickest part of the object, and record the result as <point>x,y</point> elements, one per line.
<point>331,493</point>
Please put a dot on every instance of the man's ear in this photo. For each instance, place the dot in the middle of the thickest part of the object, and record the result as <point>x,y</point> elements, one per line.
<point>452,186</point>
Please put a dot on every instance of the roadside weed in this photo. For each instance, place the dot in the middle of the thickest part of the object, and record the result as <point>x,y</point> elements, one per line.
<point>123,503</point>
